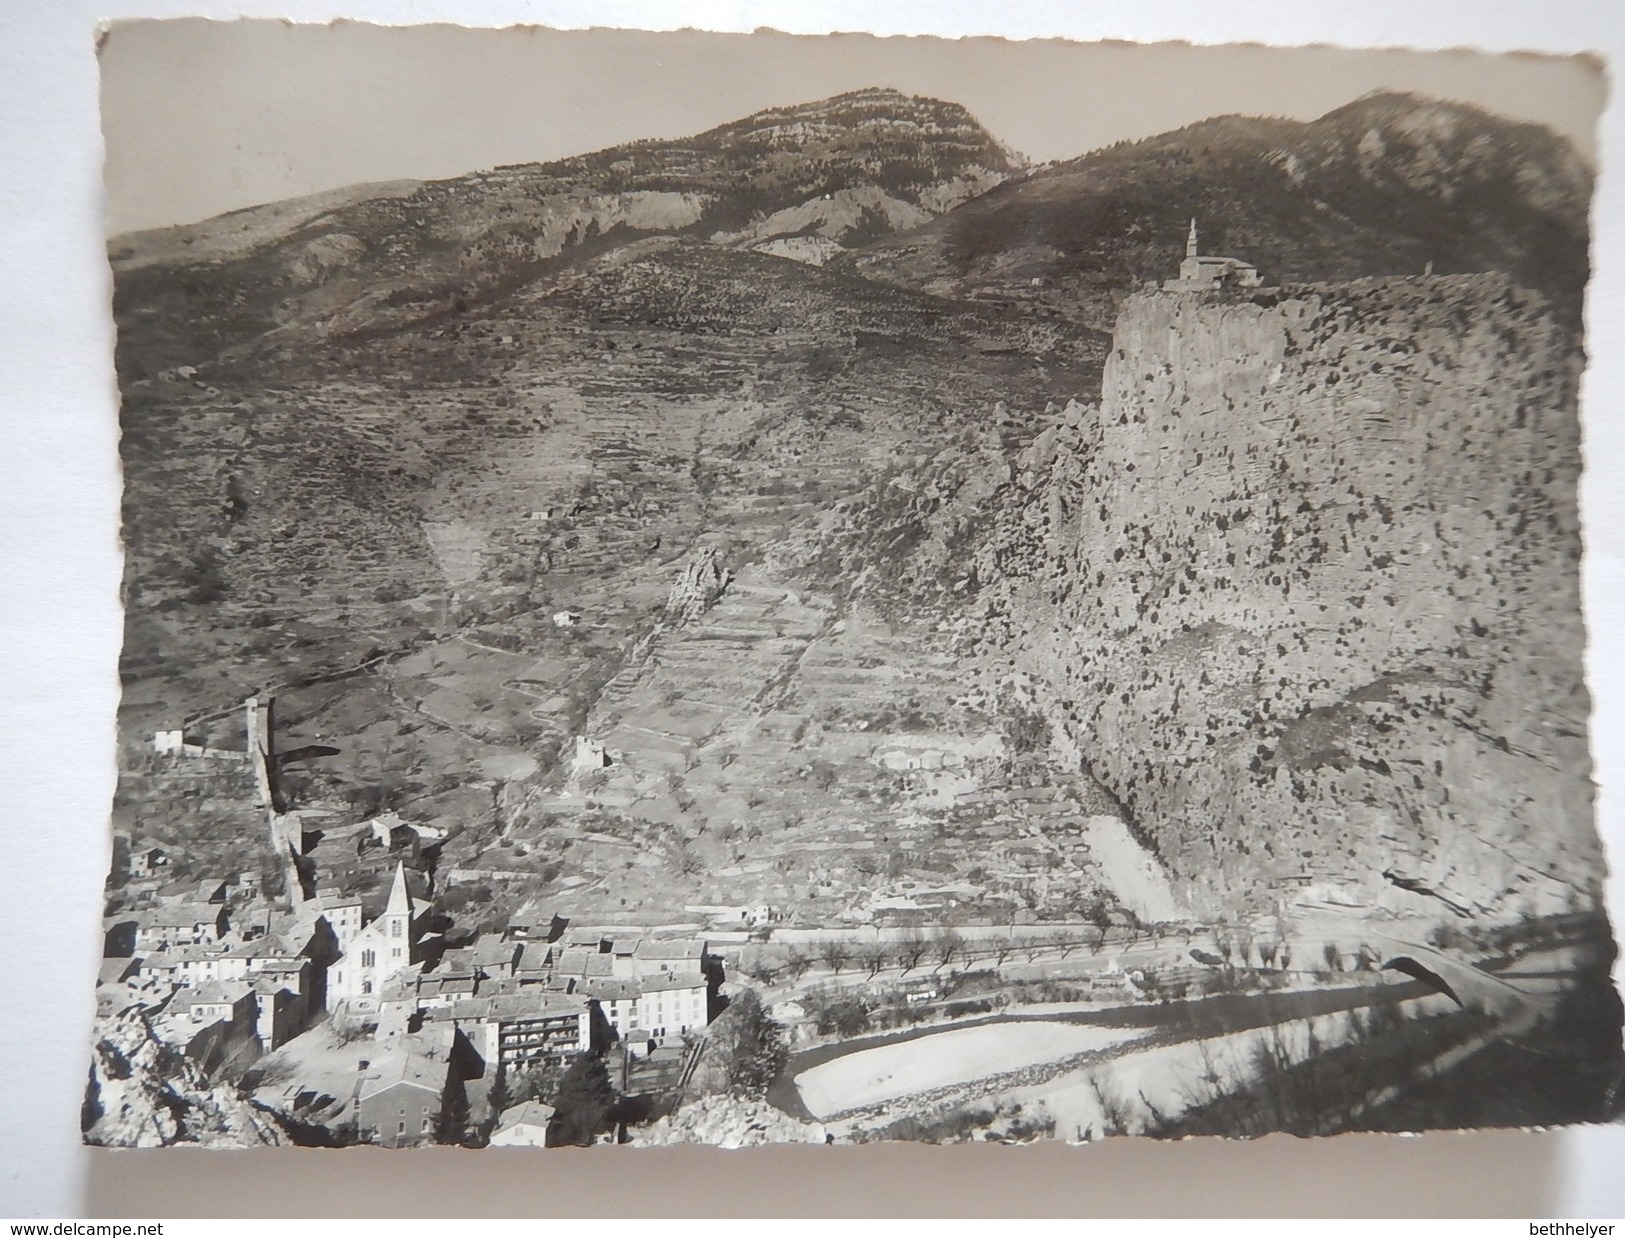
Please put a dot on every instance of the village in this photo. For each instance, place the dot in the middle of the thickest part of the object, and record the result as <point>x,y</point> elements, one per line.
<point>424,1017</point>
<point>613,947</point>
<point>376,1027</point>
<point>395,1025</point>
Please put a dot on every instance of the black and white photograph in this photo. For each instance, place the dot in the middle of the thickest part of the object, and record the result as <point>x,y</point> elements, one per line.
<point>726,589</point>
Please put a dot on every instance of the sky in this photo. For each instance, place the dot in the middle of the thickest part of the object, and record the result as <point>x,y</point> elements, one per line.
<point>202,117</point>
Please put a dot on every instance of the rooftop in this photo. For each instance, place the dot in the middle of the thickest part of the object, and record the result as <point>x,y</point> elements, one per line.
<point>614,990</point>
<point>421,1060</point>
<point>456,963</point>
<point>576,962</point>
<point>402,1066</point>
<point>530,1113</point>
<point>535,1004</point>
<point>666,983</point>
<point>184,912</point>
<point>489,952</point>
<point>176,955</point>
<point>216,992</point>
<point>655,949</point>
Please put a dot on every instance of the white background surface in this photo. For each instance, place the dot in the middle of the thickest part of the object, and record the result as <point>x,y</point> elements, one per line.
<point>59,636</point>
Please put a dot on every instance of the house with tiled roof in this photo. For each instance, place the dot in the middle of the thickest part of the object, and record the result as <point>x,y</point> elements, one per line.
<point>495,957</point>
<point>673,1005</point>
<point>213,1023</point>
<point>670,956</point>
<point>523,1126</point>
<point>281,1011</point>
<point>148,861</point>
<point>214,999</point>
<point>534,926</point>
<point>578,964</point>
<point>344,916</point>
<point>189,966</point>
<point>406,1089</point>
<point>179,922</point>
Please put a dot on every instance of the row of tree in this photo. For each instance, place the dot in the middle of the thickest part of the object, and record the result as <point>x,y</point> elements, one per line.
<point>917,950</point>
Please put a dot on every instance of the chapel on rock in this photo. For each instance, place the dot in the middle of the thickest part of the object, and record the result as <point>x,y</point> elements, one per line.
<point>1204,272</point>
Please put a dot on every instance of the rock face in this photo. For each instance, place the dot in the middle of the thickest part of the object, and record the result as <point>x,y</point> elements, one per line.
<point>1305,593</point>
<point>728,1122</point>
<point>703,581</point>
<point>144,1093</point>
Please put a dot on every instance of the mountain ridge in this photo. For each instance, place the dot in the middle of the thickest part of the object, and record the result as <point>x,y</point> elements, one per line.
<point>1389,184</point>
<point>419,248</point>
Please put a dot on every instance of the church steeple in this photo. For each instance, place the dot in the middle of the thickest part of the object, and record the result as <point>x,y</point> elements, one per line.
<point>400,898</point>
<point>1205,272</point>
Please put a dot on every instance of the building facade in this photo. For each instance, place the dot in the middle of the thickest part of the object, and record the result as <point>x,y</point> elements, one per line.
<point>378,951</point>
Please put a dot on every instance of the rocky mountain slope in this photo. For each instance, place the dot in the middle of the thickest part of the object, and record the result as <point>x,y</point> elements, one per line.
<point>1382,186</point>
<point>800,181</point>
<point>438,495</point>
<point>1302,593</point>
<point>872,607</point>
<point>576,431</point>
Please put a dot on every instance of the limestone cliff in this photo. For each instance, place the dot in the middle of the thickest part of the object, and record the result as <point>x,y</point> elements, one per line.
<point>702,582</point>
<point>727,1122</point>
<point>1305,593</point>
<point>144,1093</point>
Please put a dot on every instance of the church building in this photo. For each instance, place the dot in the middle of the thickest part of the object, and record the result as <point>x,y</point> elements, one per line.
<point>379,950</point>
<point>1203,272</point>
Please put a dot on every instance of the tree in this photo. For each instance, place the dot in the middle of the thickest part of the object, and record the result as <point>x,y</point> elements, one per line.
<point>538,1080</point>
<point>1066,943</point>
<point>834,953</point>
<point>946,946</point>
<point>1135,925</point>
<point>846,1016</point>
<point>758,966</point>
<point>581,1108</point>
<point>207,578</point>
<point>1097,914</point>
<point>452,1126</point>
<point>745,1049</point>
<point>873,958</point>
<point>911,948</point>
<point>1244,948</point>
<point>499,1098</point>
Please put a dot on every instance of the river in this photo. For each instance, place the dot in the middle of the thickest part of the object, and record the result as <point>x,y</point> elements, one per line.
<point>1163,1023</point>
